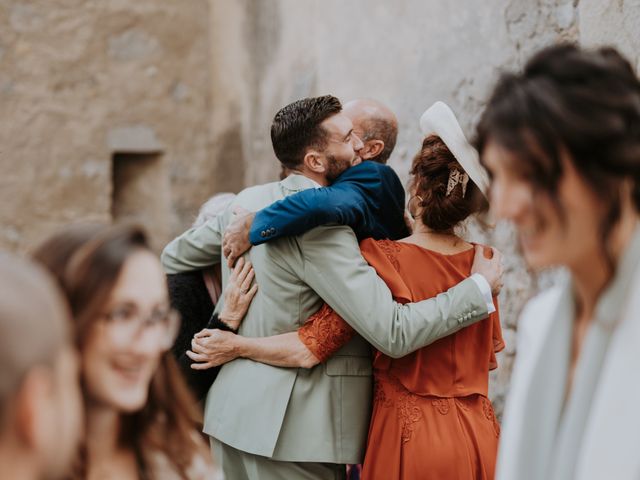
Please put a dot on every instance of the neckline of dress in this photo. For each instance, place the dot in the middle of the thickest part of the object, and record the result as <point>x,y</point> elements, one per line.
<point>439,253</point>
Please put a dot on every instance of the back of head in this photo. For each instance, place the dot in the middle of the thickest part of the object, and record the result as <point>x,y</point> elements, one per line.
<point>34,323</point>
<point>374,121</point>
<point>444,203</point>
<point>296,127</point>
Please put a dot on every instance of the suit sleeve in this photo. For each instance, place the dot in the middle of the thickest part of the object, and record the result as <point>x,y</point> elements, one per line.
<point>195,249</point>
<point>335,269</point>
<point>299,213</point>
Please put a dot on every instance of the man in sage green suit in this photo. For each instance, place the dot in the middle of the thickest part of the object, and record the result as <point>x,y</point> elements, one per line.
<point>268,422</point>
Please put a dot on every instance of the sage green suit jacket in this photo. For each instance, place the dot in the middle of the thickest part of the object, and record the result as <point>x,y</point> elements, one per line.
<point>319,414</point>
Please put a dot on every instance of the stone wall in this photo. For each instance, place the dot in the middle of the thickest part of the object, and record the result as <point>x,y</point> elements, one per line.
<point>184,92</point>
<point>81,81</point>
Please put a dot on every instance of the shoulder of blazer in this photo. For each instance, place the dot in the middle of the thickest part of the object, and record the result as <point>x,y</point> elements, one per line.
<point>256,190</point>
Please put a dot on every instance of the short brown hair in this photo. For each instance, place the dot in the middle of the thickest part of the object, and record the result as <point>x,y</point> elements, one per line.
<point>430,176</point>
<point>296,127</point>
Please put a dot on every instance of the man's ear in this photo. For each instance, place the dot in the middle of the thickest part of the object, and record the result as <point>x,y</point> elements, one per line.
<point>313,160</point>
<point>32,407</point>
<point>371,149</point>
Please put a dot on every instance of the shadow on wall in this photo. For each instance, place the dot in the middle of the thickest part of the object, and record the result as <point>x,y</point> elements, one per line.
<point>140,193</point>
<point>229,169</point>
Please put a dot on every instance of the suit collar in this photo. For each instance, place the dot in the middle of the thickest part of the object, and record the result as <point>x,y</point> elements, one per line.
<point>613,432</point>
<point>296,183</point>
<point>544,396</point>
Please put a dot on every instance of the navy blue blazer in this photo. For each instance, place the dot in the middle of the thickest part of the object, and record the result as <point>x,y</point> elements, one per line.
<point>369,198</point>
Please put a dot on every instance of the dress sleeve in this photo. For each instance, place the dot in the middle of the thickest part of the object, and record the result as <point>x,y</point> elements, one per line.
<point>383,256</point>
<point>498,341</point>
<point>325,332</point>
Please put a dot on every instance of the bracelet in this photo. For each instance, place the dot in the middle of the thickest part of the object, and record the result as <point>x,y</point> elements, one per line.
<point>215,322</point>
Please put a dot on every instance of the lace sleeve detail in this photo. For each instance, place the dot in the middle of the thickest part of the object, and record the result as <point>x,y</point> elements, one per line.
<point>325,332</point>
<point>391,250</point>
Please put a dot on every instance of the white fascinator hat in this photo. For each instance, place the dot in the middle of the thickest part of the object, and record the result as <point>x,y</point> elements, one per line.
<point>440,120</point>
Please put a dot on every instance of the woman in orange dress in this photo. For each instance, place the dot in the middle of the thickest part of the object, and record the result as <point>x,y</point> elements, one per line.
<point>431,414</point>
<point>431,417</point>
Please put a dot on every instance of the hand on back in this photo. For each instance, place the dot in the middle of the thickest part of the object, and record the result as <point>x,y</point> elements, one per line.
<point>238,293</point>
<point>488,263</point>
<point>236,236</point>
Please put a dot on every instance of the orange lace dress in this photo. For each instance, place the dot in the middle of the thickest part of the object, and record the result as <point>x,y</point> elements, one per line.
<point>431,415</point>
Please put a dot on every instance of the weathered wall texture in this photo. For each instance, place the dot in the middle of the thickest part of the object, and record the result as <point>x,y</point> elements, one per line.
<point>82,80</point>
<point>615,23</point>
<point>193,86</point>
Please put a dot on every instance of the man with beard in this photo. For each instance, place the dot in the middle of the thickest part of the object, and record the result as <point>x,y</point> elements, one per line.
<point>355,198</point>
<point>267,422</point>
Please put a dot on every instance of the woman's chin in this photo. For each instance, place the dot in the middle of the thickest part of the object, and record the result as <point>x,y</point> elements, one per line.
<point>130,402</point>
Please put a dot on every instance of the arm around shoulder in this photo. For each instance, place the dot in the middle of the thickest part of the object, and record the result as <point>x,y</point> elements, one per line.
<point>336,270</point>
<point>299,213</point>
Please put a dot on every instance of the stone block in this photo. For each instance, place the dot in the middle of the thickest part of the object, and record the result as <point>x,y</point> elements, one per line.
<point>133,139</point>
<point>134,44</point>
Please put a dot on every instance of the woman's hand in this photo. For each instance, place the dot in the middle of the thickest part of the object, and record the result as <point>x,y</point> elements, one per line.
<point>238,294</point>
<point>210,348</point>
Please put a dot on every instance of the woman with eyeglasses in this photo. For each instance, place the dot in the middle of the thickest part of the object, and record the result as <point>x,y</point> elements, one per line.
<point>141,421</point>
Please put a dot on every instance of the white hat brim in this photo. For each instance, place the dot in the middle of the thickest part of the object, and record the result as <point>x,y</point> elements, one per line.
<point>440,120</point>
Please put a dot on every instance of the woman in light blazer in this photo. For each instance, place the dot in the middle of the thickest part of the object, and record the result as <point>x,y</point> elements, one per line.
<point>561,141</point>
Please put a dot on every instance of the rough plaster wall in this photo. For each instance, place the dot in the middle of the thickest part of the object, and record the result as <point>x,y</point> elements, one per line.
<point>406,53</point>
<point>615,23</point>
<point>80,77</point>
<point>263,59</point>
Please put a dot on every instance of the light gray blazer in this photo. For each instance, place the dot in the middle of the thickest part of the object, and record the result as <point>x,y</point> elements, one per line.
<point>608,446</point>
<point>319,414</point>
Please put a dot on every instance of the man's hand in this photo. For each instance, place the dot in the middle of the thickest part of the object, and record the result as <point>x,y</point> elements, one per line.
<point>238,293</point>
<point>210,348</point>
<point>488,263</point>
<point>236,237</point>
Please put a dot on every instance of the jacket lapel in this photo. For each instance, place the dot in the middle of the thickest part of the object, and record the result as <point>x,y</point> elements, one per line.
<point>612,438</point>
<point>295,183</point>
<point>536,399</point>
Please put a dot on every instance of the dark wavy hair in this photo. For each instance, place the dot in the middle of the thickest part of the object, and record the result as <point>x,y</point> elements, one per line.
<point>430,176</point>
<point>87,260</point>
<point>569,102</point>
<point>296,127</point>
